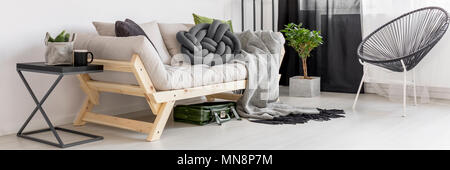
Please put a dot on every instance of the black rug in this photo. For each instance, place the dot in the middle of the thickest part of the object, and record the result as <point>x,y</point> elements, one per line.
<point>324,115</point>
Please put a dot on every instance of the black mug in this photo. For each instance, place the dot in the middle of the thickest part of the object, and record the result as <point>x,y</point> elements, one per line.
<point>80,57</point>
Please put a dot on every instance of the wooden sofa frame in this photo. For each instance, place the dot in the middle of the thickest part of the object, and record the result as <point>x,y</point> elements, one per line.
<point>161,102</point>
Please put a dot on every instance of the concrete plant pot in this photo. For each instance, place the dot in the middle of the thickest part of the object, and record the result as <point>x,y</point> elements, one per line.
<point>300,87</point>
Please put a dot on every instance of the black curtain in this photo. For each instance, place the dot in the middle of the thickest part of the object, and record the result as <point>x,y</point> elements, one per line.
<point>336,61</point>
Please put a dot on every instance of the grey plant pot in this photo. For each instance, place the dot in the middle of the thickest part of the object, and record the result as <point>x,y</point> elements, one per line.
<point>299,87</point>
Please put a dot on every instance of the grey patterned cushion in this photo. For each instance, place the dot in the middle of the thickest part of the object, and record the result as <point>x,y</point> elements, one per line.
<point>209,43</point>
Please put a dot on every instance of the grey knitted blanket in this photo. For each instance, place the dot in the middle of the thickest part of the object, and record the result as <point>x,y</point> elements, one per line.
<point>261,55</point>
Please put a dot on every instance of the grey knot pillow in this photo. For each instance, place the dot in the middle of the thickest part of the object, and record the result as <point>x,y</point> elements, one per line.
<point>210,44</point>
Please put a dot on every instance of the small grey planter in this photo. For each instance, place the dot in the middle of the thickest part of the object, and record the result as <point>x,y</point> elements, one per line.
<point>299,87</point>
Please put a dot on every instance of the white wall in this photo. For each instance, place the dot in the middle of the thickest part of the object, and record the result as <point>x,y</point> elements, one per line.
<point>433,69</point>
<point>24,24</point>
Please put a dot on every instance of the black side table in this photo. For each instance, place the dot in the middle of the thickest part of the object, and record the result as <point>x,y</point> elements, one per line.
<point>40,67</point>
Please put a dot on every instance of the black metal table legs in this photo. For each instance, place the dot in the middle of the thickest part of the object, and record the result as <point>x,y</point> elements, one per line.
<point>49,123</point>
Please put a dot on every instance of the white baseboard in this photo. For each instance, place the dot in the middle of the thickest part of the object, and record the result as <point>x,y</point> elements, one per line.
<point>433,92</point>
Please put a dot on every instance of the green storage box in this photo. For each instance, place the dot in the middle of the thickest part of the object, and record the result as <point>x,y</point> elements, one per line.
<point>204,113</point>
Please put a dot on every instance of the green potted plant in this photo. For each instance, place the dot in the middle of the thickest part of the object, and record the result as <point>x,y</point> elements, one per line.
<point>59,50</point>
<point>303,41</point>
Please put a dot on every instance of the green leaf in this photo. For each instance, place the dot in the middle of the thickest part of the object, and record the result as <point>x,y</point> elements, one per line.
<point>60,37</point>
<point>67,37</point>
<point>50,39</point>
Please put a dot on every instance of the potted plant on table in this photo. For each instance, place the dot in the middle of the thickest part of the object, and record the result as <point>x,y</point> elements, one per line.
<point>303,41</point>
<point>59,50</point>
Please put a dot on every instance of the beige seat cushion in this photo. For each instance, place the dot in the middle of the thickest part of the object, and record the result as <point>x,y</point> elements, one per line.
<point>188,76</point>
<point>169,33</point>
<point>181,77</point>
<point>151,29</point>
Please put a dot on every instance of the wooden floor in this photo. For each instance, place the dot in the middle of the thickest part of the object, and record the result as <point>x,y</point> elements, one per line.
<point>377,124</point>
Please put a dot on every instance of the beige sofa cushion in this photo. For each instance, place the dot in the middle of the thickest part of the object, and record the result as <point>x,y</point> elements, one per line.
<point>105,28</point>
<point>169,34</point>
<point>187,76</point>
<point>151,29</point>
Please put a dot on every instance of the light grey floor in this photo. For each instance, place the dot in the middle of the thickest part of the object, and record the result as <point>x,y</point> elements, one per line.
<point>377,124</point>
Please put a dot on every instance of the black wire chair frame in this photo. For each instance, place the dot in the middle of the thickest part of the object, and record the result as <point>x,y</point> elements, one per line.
<point>402,43</point>
<point>409,37</point>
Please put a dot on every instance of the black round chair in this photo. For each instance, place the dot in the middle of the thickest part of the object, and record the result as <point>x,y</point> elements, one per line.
<point>403,42</point>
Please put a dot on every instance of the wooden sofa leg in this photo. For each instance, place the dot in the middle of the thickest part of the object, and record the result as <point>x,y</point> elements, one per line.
<point>87,107</point>
<point>91,93</point>
<point>160,121</point>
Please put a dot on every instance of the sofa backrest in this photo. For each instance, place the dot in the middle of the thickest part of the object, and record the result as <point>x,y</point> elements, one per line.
<point>162,35</point>
<point>122,49</point>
